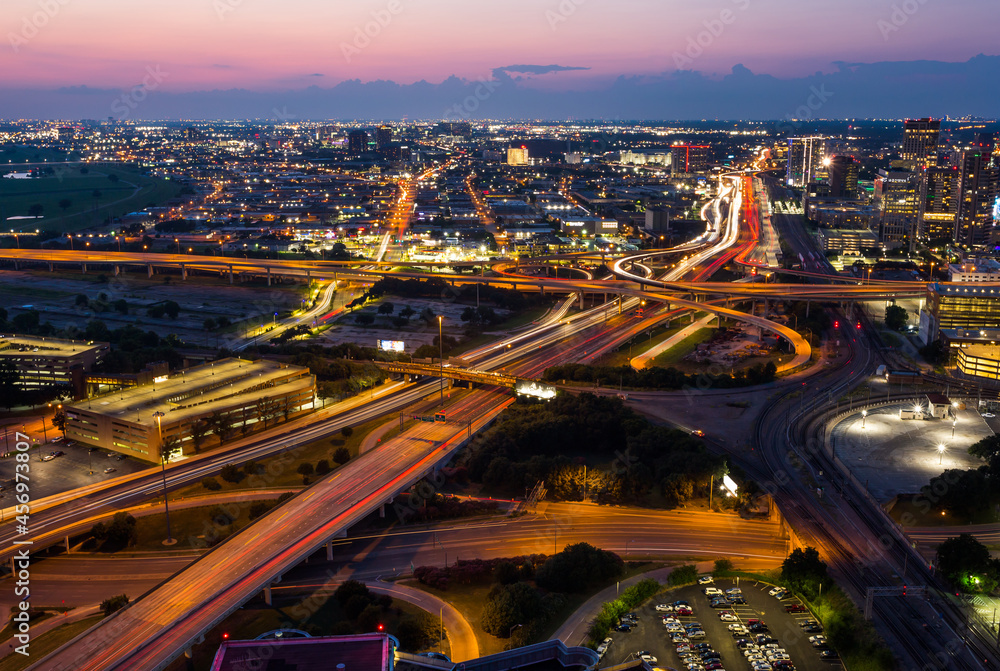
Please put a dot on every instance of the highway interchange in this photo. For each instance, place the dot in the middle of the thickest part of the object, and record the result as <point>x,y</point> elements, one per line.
<point>863,547</point>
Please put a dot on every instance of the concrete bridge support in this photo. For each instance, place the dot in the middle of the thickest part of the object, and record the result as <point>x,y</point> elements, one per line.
<point>149,269</point>
<point>66,542</point>
<point>118,271</point>
<point>269,276</point>
<point>52,267</point>
<point>82,265</point>
<point>184,272</point>
<point>267,590</point>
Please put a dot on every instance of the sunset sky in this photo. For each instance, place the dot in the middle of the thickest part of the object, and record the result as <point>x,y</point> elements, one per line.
<point>270,45</point>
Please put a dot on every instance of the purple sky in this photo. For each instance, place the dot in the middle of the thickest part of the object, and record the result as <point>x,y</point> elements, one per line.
<point>272,45</point>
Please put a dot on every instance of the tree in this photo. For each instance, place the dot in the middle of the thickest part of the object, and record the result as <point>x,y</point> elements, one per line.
<point>407,312</point>
<point>209,324</point>
<point>65,204</point>
<point>59,420</point>
<point>510,605</point>
<point>81,300</point>
<point>305,468</point>
<point>579,567</point>
<point>722,566</point>
<point>347,432</point>
<point>120,532</point>
<point>172,309</point>
<point>506,573</point>
<point>895,317</point>
<point>804,568</point>
<point>199,430</point>
<point>121,306</point>
<point>386,308</point>
<point>683,575</point>
<point>36,210</point>
<point>967,564</point>
<point>221,424</point>
<point>113,178</point>
<point>417,632</point>
<point>349,589</point>
<point>364,319</point>
<point>211,484</point>
<point>342,455</point>
<point>322,467</point>
<point>231,473</point>
<point>115,603</point>
<point>399,321</point>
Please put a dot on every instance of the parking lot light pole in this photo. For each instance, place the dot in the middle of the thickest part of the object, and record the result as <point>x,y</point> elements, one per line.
<point>163,471</point>
<point>441,355</point>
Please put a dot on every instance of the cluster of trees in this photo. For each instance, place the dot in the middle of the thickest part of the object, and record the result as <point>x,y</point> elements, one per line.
<point>505,570</point>
<point>508,299</point>
<point>660,378</point>
<point>896,317</point>
<point>612,611</point>
<point>169,308</point>
<point>114,604</point>
<point>804,572</point>
<point>117,534</point>
<point>481,316</point>
<point>363,611</point>
<point>441,507</point>
<point>617,456</point>
<point>101,304</point>
<point>968,564</point>
<point>967,494</point>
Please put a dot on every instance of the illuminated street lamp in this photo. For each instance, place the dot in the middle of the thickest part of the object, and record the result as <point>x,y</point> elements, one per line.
<point>940,453</point>
<point>441,355</point>
<point>864,418</point>
<point>163,470</point>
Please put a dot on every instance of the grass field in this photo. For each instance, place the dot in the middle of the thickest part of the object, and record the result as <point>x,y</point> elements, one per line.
<point>133,191</point>
<point>683,348</point>
<point>48,642</point>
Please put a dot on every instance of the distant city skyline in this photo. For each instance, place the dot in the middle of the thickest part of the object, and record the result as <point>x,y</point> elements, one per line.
<point>218,56</point>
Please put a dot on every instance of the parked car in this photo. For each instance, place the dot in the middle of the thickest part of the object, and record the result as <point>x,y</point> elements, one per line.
<point>828,655</point>
<point>664,608</point>
<point>705,580</point>
<point>726,616</point>
<point>796,608</point>
<point>604,645</point>
<point>110,469</point>
<point>685,610</point>
<point>49,457</point>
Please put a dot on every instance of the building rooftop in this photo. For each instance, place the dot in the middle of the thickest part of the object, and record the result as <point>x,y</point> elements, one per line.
<point>193,391</point>
<point>11,343</point>
<point>369,652</point>
<point>966,288</point>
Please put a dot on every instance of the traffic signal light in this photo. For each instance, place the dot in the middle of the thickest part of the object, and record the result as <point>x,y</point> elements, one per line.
<point>904,590</point>
<point>859,325</point>
<point>225,636</point>
<point>381,627</point>
<point>836,324</point>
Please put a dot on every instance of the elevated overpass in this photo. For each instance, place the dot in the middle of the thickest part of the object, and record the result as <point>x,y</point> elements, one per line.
<point>450,371</point>
<point>151,631</point>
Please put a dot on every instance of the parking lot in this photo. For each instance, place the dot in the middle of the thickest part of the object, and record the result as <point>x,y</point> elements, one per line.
<point>652,636</point>
<point>67,471</point>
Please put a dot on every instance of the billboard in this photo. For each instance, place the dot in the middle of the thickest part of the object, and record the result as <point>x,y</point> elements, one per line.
<point>391,345</point>
<point>535,389</point>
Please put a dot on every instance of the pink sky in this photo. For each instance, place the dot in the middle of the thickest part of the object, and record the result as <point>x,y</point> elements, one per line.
<point>273,45</point>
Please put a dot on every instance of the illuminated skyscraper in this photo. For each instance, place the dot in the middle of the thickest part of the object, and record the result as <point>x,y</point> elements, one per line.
<point>689,158</point>
<point>979,190</point>
<point>920,143</point>
<point>843,175</point>
<point>805,160</point>
<point>383,137</point>
<point>899,199</point>
<point>357,142</point>
<point>939,202</point>
<point>517,156</point>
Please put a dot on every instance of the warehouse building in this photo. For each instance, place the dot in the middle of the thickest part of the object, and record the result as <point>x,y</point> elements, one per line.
<point>193,408</point>
<point>51,362</point>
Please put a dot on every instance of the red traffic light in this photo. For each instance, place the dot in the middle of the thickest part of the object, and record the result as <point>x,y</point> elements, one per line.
<point>859,325</point>
<point>381,627</point>
<point>836,324</point>
<point>225,635</point>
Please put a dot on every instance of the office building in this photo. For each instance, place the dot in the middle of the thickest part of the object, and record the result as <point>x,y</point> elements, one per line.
<point>458,128</point>
<point>843,173</point>
<point>657,220</point>
<point>186,410</point>
<point>51,362</point>
<point>920,143</point>
<point>517,155</point>
<point>959,306</point>
<point>383,137</point>
<point>688,159</point>
<point>978,195</point>
<point>939,202</point>
<point>973,269</point>
<point>805,160</point>
<point>357,141</point>
<point>847,240</point>
<point>898,194</point>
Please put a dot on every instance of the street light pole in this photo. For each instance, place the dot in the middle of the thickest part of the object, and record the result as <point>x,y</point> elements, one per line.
<point>163,471</point>
<point>441,355</point>
<point>940,453</point>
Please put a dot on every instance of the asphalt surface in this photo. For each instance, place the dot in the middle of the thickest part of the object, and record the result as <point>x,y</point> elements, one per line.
<point>650,634</point>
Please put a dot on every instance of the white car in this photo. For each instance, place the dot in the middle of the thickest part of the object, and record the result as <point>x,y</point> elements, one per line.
<point>678,639</point>
<point>819,638</point>
<point>705,580</point>
<point>736,626</point>
<point>774,591</point>
<point>683,647</point>
<point>697,633</point>
<point>664,608</point>
<point>712,591</point>
<point>726,616</point>
<point>603,647</point>
<point>648,658</point>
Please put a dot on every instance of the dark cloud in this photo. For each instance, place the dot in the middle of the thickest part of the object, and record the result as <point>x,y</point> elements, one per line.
<point>885,89</point>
